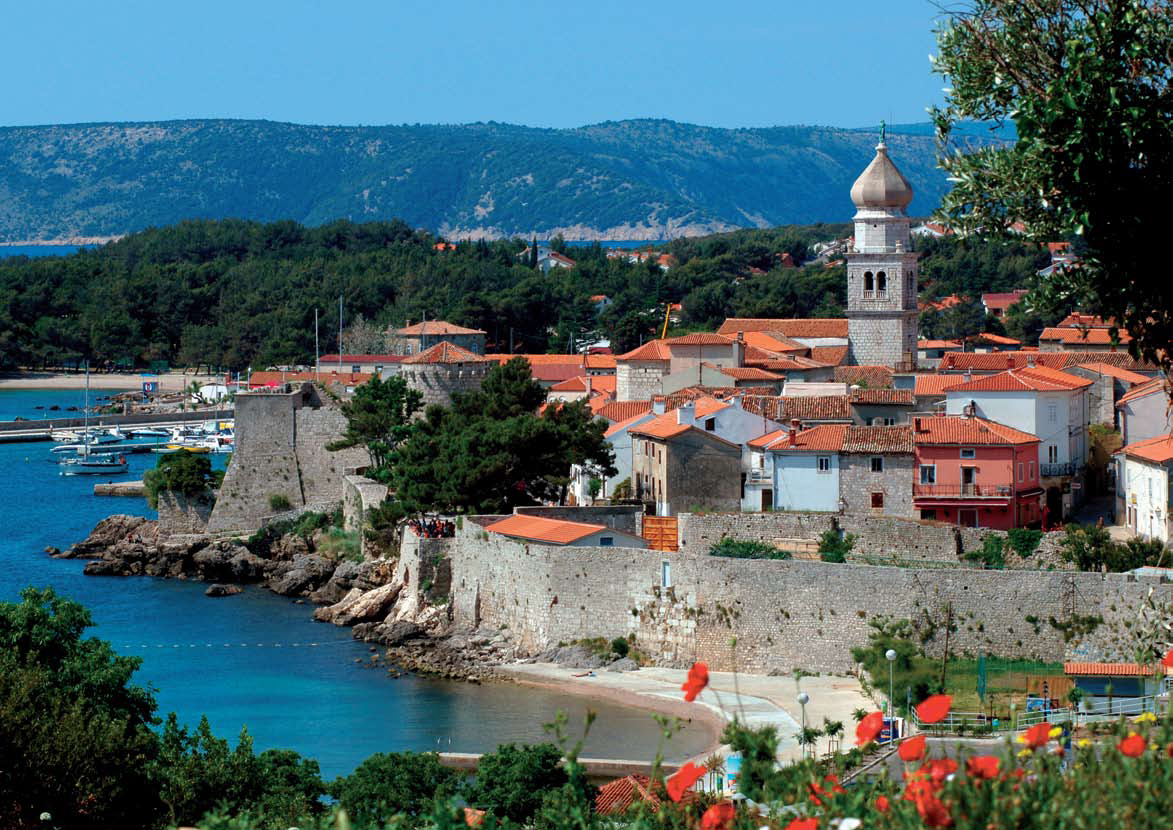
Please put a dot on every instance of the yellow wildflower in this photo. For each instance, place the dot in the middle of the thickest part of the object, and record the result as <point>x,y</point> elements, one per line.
<point>1147,717</point>
<point>1056,731</point>
<point>1083,743</point>
<point>1024,753</point>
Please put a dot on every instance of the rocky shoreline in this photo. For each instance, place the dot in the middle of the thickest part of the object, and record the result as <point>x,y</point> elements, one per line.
<point>413,637</point>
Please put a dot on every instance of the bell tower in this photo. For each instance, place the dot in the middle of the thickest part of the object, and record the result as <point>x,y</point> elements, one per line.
<point>881,270</point>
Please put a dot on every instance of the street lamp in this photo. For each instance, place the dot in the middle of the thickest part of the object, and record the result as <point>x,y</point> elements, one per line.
<point>803,700</point>
<point>890,654</point>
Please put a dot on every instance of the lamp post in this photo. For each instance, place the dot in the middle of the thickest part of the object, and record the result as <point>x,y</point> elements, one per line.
<point>890,655</point>
<point>803,700</point>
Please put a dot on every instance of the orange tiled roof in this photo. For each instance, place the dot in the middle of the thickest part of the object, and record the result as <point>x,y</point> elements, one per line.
<point>652,350</point>
<point>1108,669</point>
<point>619,426</point>
<point>1037,379</point>
<point>1088,321</point>
<point>999,361</point>
<point>600,361</point>
<point>699,338</point>
<point>1002,300</point>
<point>1115,372</point>
<point>556,531</point>
<point>445,352</point>
<point>662,426</point>
<point>938,344</point>
<point>997,339</point>
<point>879,440</point>
<point>436,327</point>
<point>823,438</point>
<point>955,429</point>
<point>540,359</point>
<point>616,797</point>
<point>875,377</point>
<point>259,379</point>
<point>706,406</point>
<point>750,373</point>
<point>622,410</point>
<point>1093,337</point>
<point>805,408</point>
<point>773,341</point>
<point>1159,449</point>
<point>927,385</point>
<point>831,355</point>
<point>895,397</point>
<point>600,384</point>
<point>763,441</point>
<point>1149,387</point>
<point>796,327</point>
<point>793,363</point>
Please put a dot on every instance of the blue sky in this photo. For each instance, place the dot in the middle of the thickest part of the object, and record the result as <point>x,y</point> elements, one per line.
<point>548,64</point>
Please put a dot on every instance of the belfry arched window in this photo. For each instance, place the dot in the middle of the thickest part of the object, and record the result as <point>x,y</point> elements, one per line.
<point>881,283</point>
<point>869,282</point>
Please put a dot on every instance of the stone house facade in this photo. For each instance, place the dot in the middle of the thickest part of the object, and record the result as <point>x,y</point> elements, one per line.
<point>875,471</point>
<point>676,466</point>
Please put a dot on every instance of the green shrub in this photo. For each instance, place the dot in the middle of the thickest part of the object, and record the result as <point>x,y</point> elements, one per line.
<point>512,781</point>
<point>1024,540</point>
<point>741,549</point>
<point>834,547</point>
<point>620,646</point>
<point>394,783</point>
<point>182,473</point>
<point>339,544</point>
<point>279,502</point>
<point>992,553</point>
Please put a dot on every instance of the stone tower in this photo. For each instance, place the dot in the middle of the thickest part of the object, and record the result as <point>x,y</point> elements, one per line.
<point>881,270</point>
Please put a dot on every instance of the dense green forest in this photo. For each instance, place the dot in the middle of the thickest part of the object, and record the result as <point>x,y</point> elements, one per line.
<point>646,178</point>
<point>234,293</point>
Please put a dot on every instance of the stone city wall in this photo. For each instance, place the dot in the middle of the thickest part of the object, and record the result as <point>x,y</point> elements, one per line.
<point>179,514</point>
<point>785,615</point>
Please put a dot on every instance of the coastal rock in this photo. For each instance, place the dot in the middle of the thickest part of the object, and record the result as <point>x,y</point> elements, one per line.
<point>399,631</point>
<point>52,551</point>
<point>301,575</point>
<point>573,657</point>
<point>110,532</point>
<point>361,606</point>
<point>290,547</point>
<point>330,612</point>
<point>246,565</point>
<point>624,664</point>
<point>220,590</point>
<point>105,567</point>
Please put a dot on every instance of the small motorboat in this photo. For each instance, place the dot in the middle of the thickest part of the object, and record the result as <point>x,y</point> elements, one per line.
<point>94,465</point>
<point>150,432</point>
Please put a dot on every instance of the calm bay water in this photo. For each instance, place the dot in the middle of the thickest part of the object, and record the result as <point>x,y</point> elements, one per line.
<point>257,659</point>
<point>38,250</point>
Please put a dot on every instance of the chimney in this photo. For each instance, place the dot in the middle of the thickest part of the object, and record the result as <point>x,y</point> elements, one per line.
<point>588,387</point>
<point>792,433</point>
<point>916,427</point>
<point>1009,361</point>
<point>968,375</point>
<point>686,413</point>
<point>739,351</point>
<point>1030,361</point>
<point>658,406</point>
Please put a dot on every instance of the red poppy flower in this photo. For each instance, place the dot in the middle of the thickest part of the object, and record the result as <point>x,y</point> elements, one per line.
<point>1167,660</point>
<point>803,824</point>
<point>698,678</point>
<point>869,728</point>
<point>882,803</point>
<point>939,770</point>
<point>982,766</point>
<point>932,812</point>
<point>683,779</point>
<point>934,709</point>
<point>1038,735</point>
<point>718,817</point>
<point>913,749</point>
<point>1132,746</point>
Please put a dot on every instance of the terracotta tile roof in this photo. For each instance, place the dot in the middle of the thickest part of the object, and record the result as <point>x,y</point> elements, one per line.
<point>540,359</point>
<point>763,441</point>
<point>999,361</point>
<point>823,438</point>
<point>703,407</point>
<point>806,409</point>
<point>556,531</point>
<point>773,341</point>
<point>1092,337</point>
<point>597,402</point>
<point>786,364</point>
<point>622,410</point>
<point>875,377</point>
<point>997,339</point>
<point>940,304</point>
<point>1149,387</point>
<point>272,379</point>
<point>831,355</point>
<point>600,384</point>
<point>751,373</point>
<point>1159,449</point>
<point>796,327</point>
<point>1115,372</point>
<point>699,338</point>
<point>1037,379</point>
<point>938,344</point>
<point>616,797</point>
<point>652,350</point>
<point>600,361</point>
<point>598,298</point>
<point>445,352</point>
<point>1002,300</point>
<point>662,426</point>
<point>431,327</point>
<point>933,385</point>
<point>1108,669</point>
<point>1088,321</point>
<point>619,426</point>
<point>879,440</point>
<point>955,429</point>
<point>894,397</point>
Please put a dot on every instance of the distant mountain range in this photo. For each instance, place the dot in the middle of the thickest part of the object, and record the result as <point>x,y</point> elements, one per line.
<point>643,179</point>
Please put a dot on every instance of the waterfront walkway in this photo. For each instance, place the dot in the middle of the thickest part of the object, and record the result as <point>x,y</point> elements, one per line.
<point>755,699</point>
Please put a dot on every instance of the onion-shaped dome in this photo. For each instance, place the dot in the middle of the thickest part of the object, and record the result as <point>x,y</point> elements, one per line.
<point>881,185</point>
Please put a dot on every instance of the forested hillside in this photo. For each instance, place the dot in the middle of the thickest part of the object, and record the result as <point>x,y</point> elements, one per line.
<point>647,179</point>
<point>237,294</point>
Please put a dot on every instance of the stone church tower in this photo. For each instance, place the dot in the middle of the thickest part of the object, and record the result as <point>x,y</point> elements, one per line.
<point>881,270</point>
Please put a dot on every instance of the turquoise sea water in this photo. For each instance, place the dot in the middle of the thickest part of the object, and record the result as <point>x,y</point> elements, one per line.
<point>37,250</point>
<point>257,659</point>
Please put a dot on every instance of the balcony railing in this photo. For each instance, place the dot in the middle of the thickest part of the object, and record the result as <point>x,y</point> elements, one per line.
<point>758,476</point>
<point>875,295</point>
<point>1066,469</point>
<point>957,491</point>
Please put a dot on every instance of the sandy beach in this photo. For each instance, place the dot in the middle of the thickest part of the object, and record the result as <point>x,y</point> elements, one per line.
<point>754,699</point>
<point>170,382</point>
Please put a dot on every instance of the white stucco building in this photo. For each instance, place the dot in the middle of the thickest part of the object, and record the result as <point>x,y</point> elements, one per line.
<point>1143,488</point>
<point>792,469</point>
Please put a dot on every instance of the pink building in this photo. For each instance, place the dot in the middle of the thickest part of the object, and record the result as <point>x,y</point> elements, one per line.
<point>976,473</point>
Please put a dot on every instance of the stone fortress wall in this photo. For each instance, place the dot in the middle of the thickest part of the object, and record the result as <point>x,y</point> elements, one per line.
<point>785,615</point>
<point>281,450</point>
<point>437,381</point>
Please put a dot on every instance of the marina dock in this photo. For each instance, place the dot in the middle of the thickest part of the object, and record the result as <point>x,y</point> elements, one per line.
<point>120,488</point>
<point>38,430</point>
